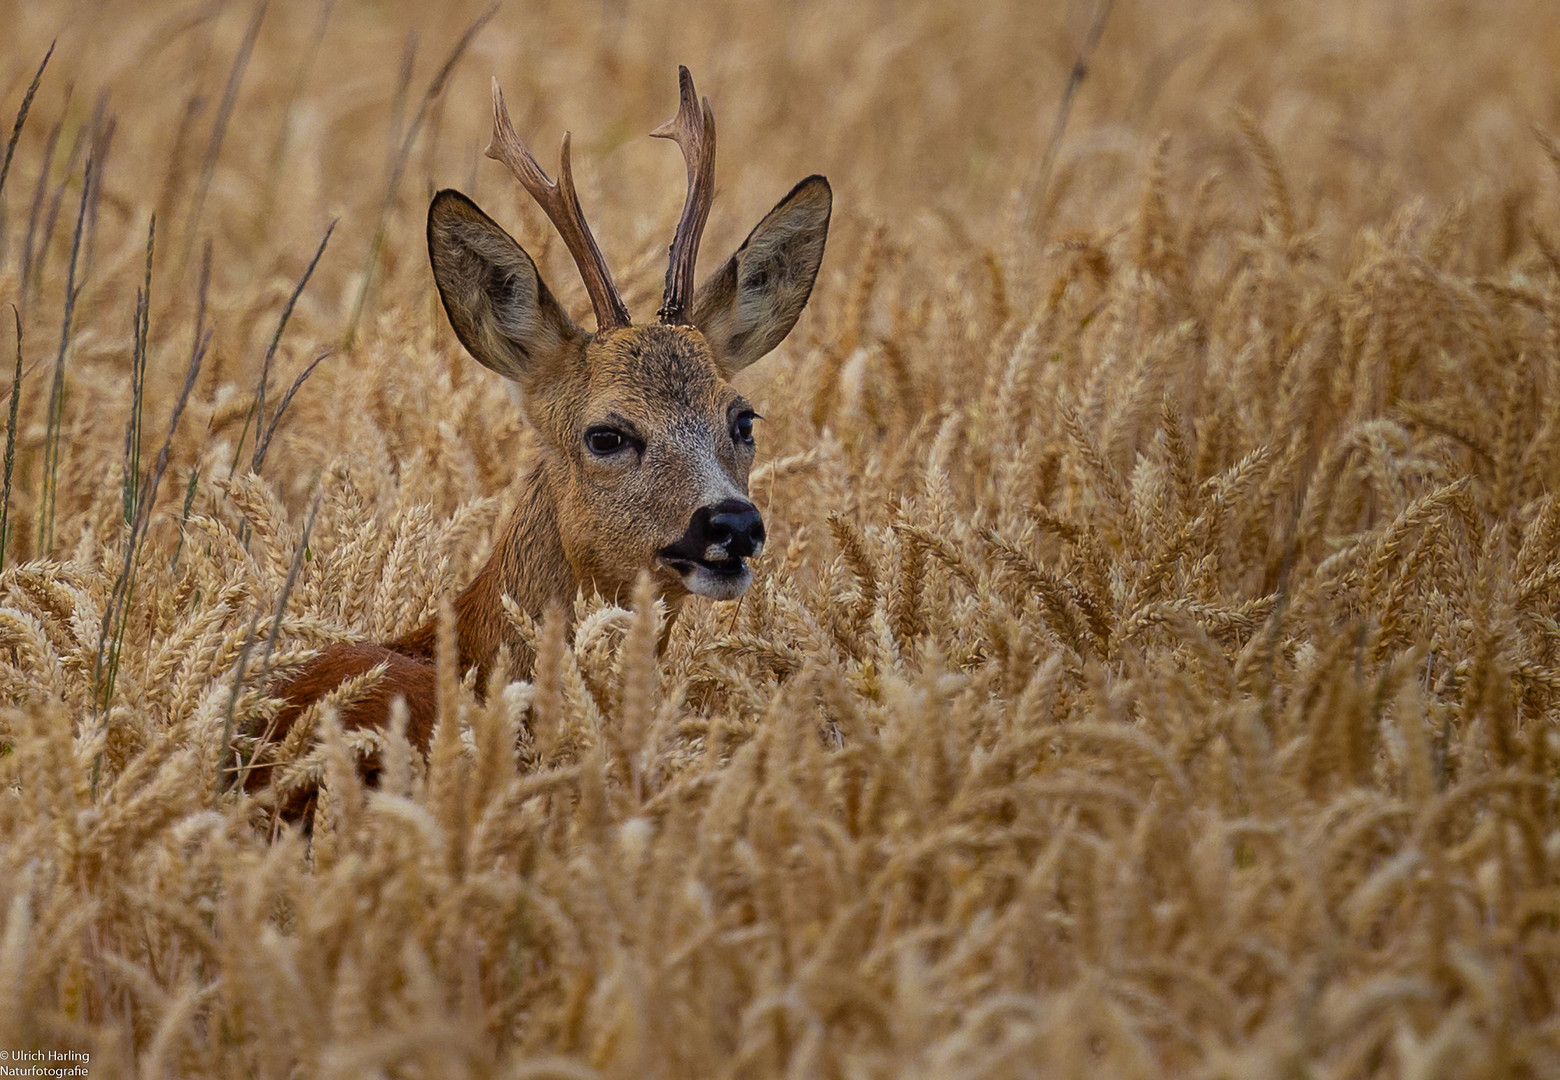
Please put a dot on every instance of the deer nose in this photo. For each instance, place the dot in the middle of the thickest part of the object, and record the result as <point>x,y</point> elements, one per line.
<point>732,527</point>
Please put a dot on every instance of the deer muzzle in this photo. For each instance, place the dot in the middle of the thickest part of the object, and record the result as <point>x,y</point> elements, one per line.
<point>711,556</point>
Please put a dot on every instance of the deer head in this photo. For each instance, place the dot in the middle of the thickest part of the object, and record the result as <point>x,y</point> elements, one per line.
<point>646,444</point>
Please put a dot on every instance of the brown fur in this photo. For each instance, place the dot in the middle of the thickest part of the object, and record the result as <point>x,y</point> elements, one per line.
<point>406,676</point>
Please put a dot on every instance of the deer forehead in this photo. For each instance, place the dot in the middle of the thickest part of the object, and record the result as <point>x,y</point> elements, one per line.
<point>659,376</point>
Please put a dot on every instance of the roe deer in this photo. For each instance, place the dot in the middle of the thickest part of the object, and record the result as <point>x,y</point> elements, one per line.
<point>646,446</point>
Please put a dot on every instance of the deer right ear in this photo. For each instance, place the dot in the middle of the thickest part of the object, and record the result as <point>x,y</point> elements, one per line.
<point>502,311</point>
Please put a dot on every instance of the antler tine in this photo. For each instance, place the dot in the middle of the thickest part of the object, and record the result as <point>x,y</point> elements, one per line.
<point>693,129</point>
<point>562,205</point>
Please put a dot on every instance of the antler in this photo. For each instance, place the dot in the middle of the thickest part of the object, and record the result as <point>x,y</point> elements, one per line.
<point>562,205</point>
<point>693,129</point>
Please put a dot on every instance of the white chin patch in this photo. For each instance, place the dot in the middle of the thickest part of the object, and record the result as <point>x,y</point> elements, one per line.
<point>702,581</point>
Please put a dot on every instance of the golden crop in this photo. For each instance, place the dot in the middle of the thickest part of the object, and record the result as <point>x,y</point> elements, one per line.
<point>1155,667</point>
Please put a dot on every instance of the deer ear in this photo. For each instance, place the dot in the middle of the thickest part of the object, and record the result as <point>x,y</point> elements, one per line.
<point>749,305</point>
<point>498,304</point>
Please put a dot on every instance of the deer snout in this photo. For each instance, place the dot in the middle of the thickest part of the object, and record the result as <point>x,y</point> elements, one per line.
<point>731,529</point>
<point>719,540</point>
<point>711,557</point>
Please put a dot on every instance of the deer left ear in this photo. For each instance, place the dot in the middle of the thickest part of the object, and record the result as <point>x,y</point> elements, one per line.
<point>749,305</point>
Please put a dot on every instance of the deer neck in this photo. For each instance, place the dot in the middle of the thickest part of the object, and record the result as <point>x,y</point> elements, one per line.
<point>529,565</point>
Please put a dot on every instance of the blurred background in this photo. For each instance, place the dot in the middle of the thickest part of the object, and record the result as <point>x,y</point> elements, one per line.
<point>934,110</point>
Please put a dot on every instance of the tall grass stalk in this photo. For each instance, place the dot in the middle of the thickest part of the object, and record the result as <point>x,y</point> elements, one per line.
<point>104,129</point>
<point>56,412</point>
<point>81,143</point>
<point>10,442</point>
<point>263,438</point>
<point>114,620</point>
<point>143,305</point>
<point>256,415</point>
<point>190,487</point>
<point>10,146</point>
<point>35,206</point>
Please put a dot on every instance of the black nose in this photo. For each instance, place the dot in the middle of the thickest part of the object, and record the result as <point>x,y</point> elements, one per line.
<point>733,524</point>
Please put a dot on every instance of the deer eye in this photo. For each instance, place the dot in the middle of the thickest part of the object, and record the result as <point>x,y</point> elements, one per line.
<point>742,427</point>
<point>603,441</point>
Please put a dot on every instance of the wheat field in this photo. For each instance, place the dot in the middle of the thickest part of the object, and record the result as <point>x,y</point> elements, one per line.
<point>1155,667</point>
